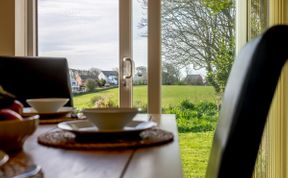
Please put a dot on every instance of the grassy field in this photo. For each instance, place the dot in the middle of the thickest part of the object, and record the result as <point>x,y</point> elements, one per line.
<point>195,147</point>
<point>84,101</point>
<point>195,150</point>
<point>171,95</point>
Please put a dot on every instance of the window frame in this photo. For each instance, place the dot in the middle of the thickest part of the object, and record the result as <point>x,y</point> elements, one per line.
<point>125,48</point>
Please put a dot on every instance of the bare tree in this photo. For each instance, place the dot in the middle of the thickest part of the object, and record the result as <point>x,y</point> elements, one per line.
<point>201,33</point>
<point>140,76</point>
<point>170,73</point>
<point>95,72</point>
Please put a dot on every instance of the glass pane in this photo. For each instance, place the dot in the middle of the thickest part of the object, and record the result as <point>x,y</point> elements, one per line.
<point>140,54</point>
<point>198,47</point>
<point>86,33</point>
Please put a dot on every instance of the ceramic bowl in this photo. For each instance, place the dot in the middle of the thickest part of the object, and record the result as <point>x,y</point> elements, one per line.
<point>13,133</point>
<point>110,118</point>
<point>47,105</point>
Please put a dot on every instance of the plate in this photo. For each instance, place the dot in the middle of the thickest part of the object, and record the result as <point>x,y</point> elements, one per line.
<point>84,128</point>
<point>3,158</point>
<point>61,113</point>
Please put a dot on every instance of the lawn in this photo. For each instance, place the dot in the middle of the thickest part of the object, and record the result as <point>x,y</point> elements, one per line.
<point>195,147</point>
<point>195,150</point>
<point>84,101</point>
<point>171,95</point>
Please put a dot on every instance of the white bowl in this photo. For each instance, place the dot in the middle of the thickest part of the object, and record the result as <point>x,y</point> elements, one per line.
<point>47,105</point>
<point>13,133</point>
<point>110,118</point>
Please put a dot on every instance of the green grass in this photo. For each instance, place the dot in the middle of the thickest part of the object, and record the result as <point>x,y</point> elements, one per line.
<point>84,101</point>
<point>195,147</point>
<point>195,150</point>
<point>171,95</point>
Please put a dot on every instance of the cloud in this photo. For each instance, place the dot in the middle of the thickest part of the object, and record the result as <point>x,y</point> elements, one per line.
<point>86,32</point>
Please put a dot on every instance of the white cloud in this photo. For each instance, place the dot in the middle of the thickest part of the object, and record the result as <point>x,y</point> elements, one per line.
<point>86,32</point>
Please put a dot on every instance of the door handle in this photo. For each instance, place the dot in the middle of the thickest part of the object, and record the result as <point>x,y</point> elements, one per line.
<point>127,59</point>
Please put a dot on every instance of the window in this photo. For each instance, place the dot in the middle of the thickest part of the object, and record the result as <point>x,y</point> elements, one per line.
<point>95,39</point>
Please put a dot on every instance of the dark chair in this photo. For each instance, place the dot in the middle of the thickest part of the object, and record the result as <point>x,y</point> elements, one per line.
<point>247,99</point>
<point>35,77</point>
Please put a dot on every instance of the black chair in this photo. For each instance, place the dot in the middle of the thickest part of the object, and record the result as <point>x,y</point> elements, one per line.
<point>247,99</point>
<point>35,77</point>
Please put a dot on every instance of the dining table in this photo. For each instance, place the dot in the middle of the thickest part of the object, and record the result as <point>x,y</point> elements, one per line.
<point>160,161</point>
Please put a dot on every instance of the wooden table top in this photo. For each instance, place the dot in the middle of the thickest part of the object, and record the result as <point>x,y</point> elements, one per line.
<point>153,162</point>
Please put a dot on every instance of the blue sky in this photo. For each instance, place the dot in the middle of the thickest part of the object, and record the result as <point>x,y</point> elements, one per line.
<point>86,32</point>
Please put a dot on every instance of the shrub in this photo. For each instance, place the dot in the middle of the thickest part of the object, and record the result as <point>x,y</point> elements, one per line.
<point>102,102</point>
<point>186,104</point>
<point>194,117</point>
<point>101,82</point>
<point>90,85</point>
<point>208,108</point>
<point>142,107</point>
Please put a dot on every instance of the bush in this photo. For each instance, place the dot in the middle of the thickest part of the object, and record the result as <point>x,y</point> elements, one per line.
<point>186,104</point>
<point>194,117</point>
<point>142,106</point>
<point>101,82</point>
<point>90,85</point>
<point>103,102</point>
<point>207,108</point>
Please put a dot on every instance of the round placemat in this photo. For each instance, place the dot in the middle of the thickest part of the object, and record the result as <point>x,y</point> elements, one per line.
<point>55,120</point>
<point>67,140</point>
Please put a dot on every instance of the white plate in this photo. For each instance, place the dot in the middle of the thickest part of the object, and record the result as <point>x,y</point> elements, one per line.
<point>62,112</point>
<point>86,128</point>
<point>3,158</point>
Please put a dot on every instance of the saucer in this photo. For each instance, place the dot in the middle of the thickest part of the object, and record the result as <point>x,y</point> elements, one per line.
<point>29,111</point>
<point>3,158</point>
<point>85,128</point>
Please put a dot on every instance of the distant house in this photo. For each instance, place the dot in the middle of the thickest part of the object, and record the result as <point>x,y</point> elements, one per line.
<point>194,79</point>
<point>84,75</point>
<point>78,79</point>
<point>111,77</point>
<point>74,84</point>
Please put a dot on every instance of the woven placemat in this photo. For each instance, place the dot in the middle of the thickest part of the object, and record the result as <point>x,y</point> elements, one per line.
<point>55,120</point>
<point>16,165</point>
<point>68,140</point>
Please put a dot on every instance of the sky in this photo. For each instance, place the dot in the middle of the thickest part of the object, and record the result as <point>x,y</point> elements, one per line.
<point>86,32</point>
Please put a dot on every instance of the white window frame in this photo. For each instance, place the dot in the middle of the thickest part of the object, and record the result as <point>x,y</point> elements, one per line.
<point>32,28</point>
<point>125,30</point>
<point>125,51</point>
<point>25,28</point>
<point>241,24</point>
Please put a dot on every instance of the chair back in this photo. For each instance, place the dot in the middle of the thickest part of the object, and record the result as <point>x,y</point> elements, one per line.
<point>35,77</point>
<point>246,102</point>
